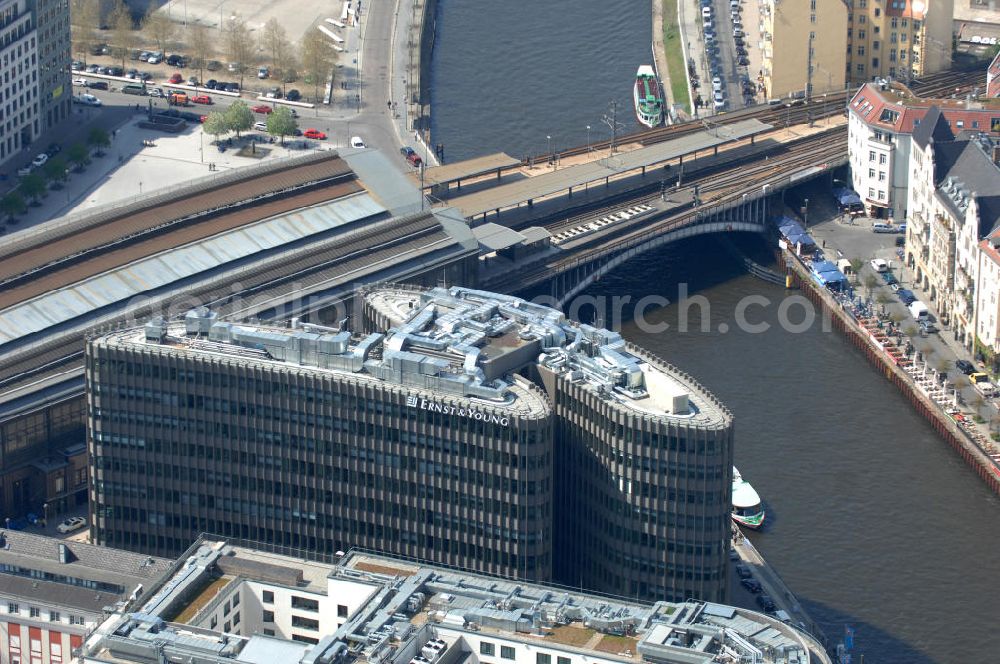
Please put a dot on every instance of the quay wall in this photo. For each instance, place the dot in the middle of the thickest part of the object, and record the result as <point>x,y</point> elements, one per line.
<point>421,47</point>
<point>972,453</point>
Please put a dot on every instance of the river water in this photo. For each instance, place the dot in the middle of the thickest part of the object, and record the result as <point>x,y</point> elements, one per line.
<point>874,521</point>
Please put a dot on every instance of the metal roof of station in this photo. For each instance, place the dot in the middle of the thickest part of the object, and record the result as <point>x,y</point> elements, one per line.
<point>539,186</point>
<point>469,168</point>
<point>147,274</point>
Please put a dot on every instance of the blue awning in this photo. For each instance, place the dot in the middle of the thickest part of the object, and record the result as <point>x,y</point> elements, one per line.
<point>823,266</point>
<point>802,238</point>
<point>846,196</point>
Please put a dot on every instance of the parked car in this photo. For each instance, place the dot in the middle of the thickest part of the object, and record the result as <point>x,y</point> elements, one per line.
<point>155,58</point>
<point>906,296</point>
<point>264,72</point>
<point>132,73</point>
<point>262,108</point>
<point>144,56</point>
<point>234,66</point>
<point>211,83</point>
<point>93,69</point>
<point>260,126</point>
<point>24,170</point>
<point>315,134</point>
<point>116,71</point>
<point>201,99</point>
<point>889,278</point>
<point>965,367</point>
<point>193,80</point>
<point>293,95</point>
<point>86,100</point>
<point>156,92</point>
<point>230,87</point>
<point>78,65</point>
<point>98,85</point>
<point>751,584</point>
<point>274,93</point>
<point>928,327</point>
<point>176,78</point>
<point>743,571</point>
<point>53,149</point>
<point>176,61</point>
<point>213,65</point>
<point>40,160</point>
<point>356,142</point>
<point>71,524</point>
<point>765,602</point>
<point>81,81</point>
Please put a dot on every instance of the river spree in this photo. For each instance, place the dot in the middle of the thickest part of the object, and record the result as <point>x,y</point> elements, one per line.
<point>874,521</point>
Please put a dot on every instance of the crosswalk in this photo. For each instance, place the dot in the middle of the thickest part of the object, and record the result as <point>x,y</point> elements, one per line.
<point>615,217</point>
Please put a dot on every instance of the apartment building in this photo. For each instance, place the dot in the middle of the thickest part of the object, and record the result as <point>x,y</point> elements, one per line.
<point>954,205</point>
<point>230,603</point>
<point>465,428</point>
<point>988,301</point>
<point>881,121</point>
<point>19,121</point>
<point>803,50</point>
<point>53,593</point>
<point>899,39</point>
<point>55,89</point>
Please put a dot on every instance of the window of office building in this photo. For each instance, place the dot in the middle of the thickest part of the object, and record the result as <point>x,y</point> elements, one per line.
<point>305,623</point>
<point>304,639</point>
<point>341,611</point>
<point>507,652</point>
<point>13,608</point>
<point>268,617</point>
<point>487,648</point>
<point>543,658</point>
<point>305,604</point>
<point>267,597</point>
<point>54,616</point>
<point>562,660</point>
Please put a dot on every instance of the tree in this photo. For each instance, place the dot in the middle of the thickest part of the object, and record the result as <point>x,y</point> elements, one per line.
<point>13,205</point>
<point>239,117</point>
<point>98,138</point>
<point>870,282</point>
<point>33,186</point>
<point>317,58</point>
<point>123,31</point>
<point>158,27</point>
<point>281,123</point>
<point>239,45</point>
<point>202,48</point>
<point>85,16</point>
<point>216,124</point>
<point>55,170</point>
<point>280,49</point>
<point>78,156</point>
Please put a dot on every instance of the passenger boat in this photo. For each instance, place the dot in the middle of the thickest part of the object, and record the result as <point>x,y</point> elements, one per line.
<point>748,510</point>
<point>647,96</point>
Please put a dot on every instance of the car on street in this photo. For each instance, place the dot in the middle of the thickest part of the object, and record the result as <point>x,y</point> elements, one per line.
<point>53,149</point>
<point>928,327</point>
<point>743,571</point>
<point>314,134</point>
<point>93,69</point>
<point>213,65</point>
<point>78,65</point>
<point>86,100</point>
<point>274,93</point>
<point>742,60</point>
<point>71,524</point>
<point>211,84</point>
<point>40,160</point>
<point>906,296</point>
<point>889,278</point>
<point>193,80</point>
<point>262,108</point>
<point>356,142</point>
<point>156,92</point>
<point>176,77</point>
<point>201,99</point>
<point>132,73</point>
<point>410,155</point>
<point>116,71</point>
<point>79,80</point>
<point>260,126</point>
<point>176,61</point>
<point>293,95</point>
<point>765,602</point>
<point>98,85</point>
<point>751,584</point>
<point>263,72</point>
<point>965,367</point>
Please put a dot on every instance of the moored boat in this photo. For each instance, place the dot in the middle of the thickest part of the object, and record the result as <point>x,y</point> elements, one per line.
<point>748,510</point>
<point>648,98</point>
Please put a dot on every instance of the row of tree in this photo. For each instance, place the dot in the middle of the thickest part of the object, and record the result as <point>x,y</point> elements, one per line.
<point>239,118</point>
<point>55,171</point>
<point>118,28</point>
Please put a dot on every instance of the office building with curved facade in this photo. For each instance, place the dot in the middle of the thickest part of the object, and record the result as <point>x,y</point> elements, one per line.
<point>454,426</point>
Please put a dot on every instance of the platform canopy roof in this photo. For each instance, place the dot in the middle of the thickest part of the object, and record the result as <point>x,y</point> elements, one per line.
<point>560,180</point>
<point>470,168</point>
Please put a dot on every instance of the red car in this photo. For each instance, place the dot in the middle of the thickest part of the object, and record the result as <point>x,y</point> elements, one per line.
<point>177,78</point>
<point>201,99</point>
<point>262,109</point>
<point>202,118</point>
<point>314,134</point>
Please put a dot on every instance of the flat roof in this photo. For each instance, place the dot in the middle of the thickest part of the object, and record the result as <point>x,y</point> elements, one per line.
<point>553,182</point>
<point>469,168</point>
<point>494,237</point>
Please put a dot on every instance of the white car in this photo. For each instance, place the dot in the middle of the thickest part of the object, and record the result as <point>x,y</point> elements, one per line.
<point>356,142</point>
<point>80,81</point>
<point>71,524</point>
<point>40,160</point>
<point>24,170</point>
<point>86,100</point>
<point>260,126</point>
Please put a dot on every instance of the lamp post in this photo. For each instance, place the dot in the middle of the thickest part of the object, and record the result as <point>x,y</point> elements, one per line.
<point>588,138</point>
<point>45,513</point>
<point>548,149</point>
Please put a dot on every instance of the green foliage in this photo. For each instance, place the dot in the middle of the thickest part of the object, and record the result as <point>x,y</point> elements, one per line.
<point>78,155</point>
<point>33,186</point>
<point>216,124</point>
<point>12,205</point>
<point>239,117</point>
<point>98,138</point>
<point>281,123</point>
<point>54,169</point>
